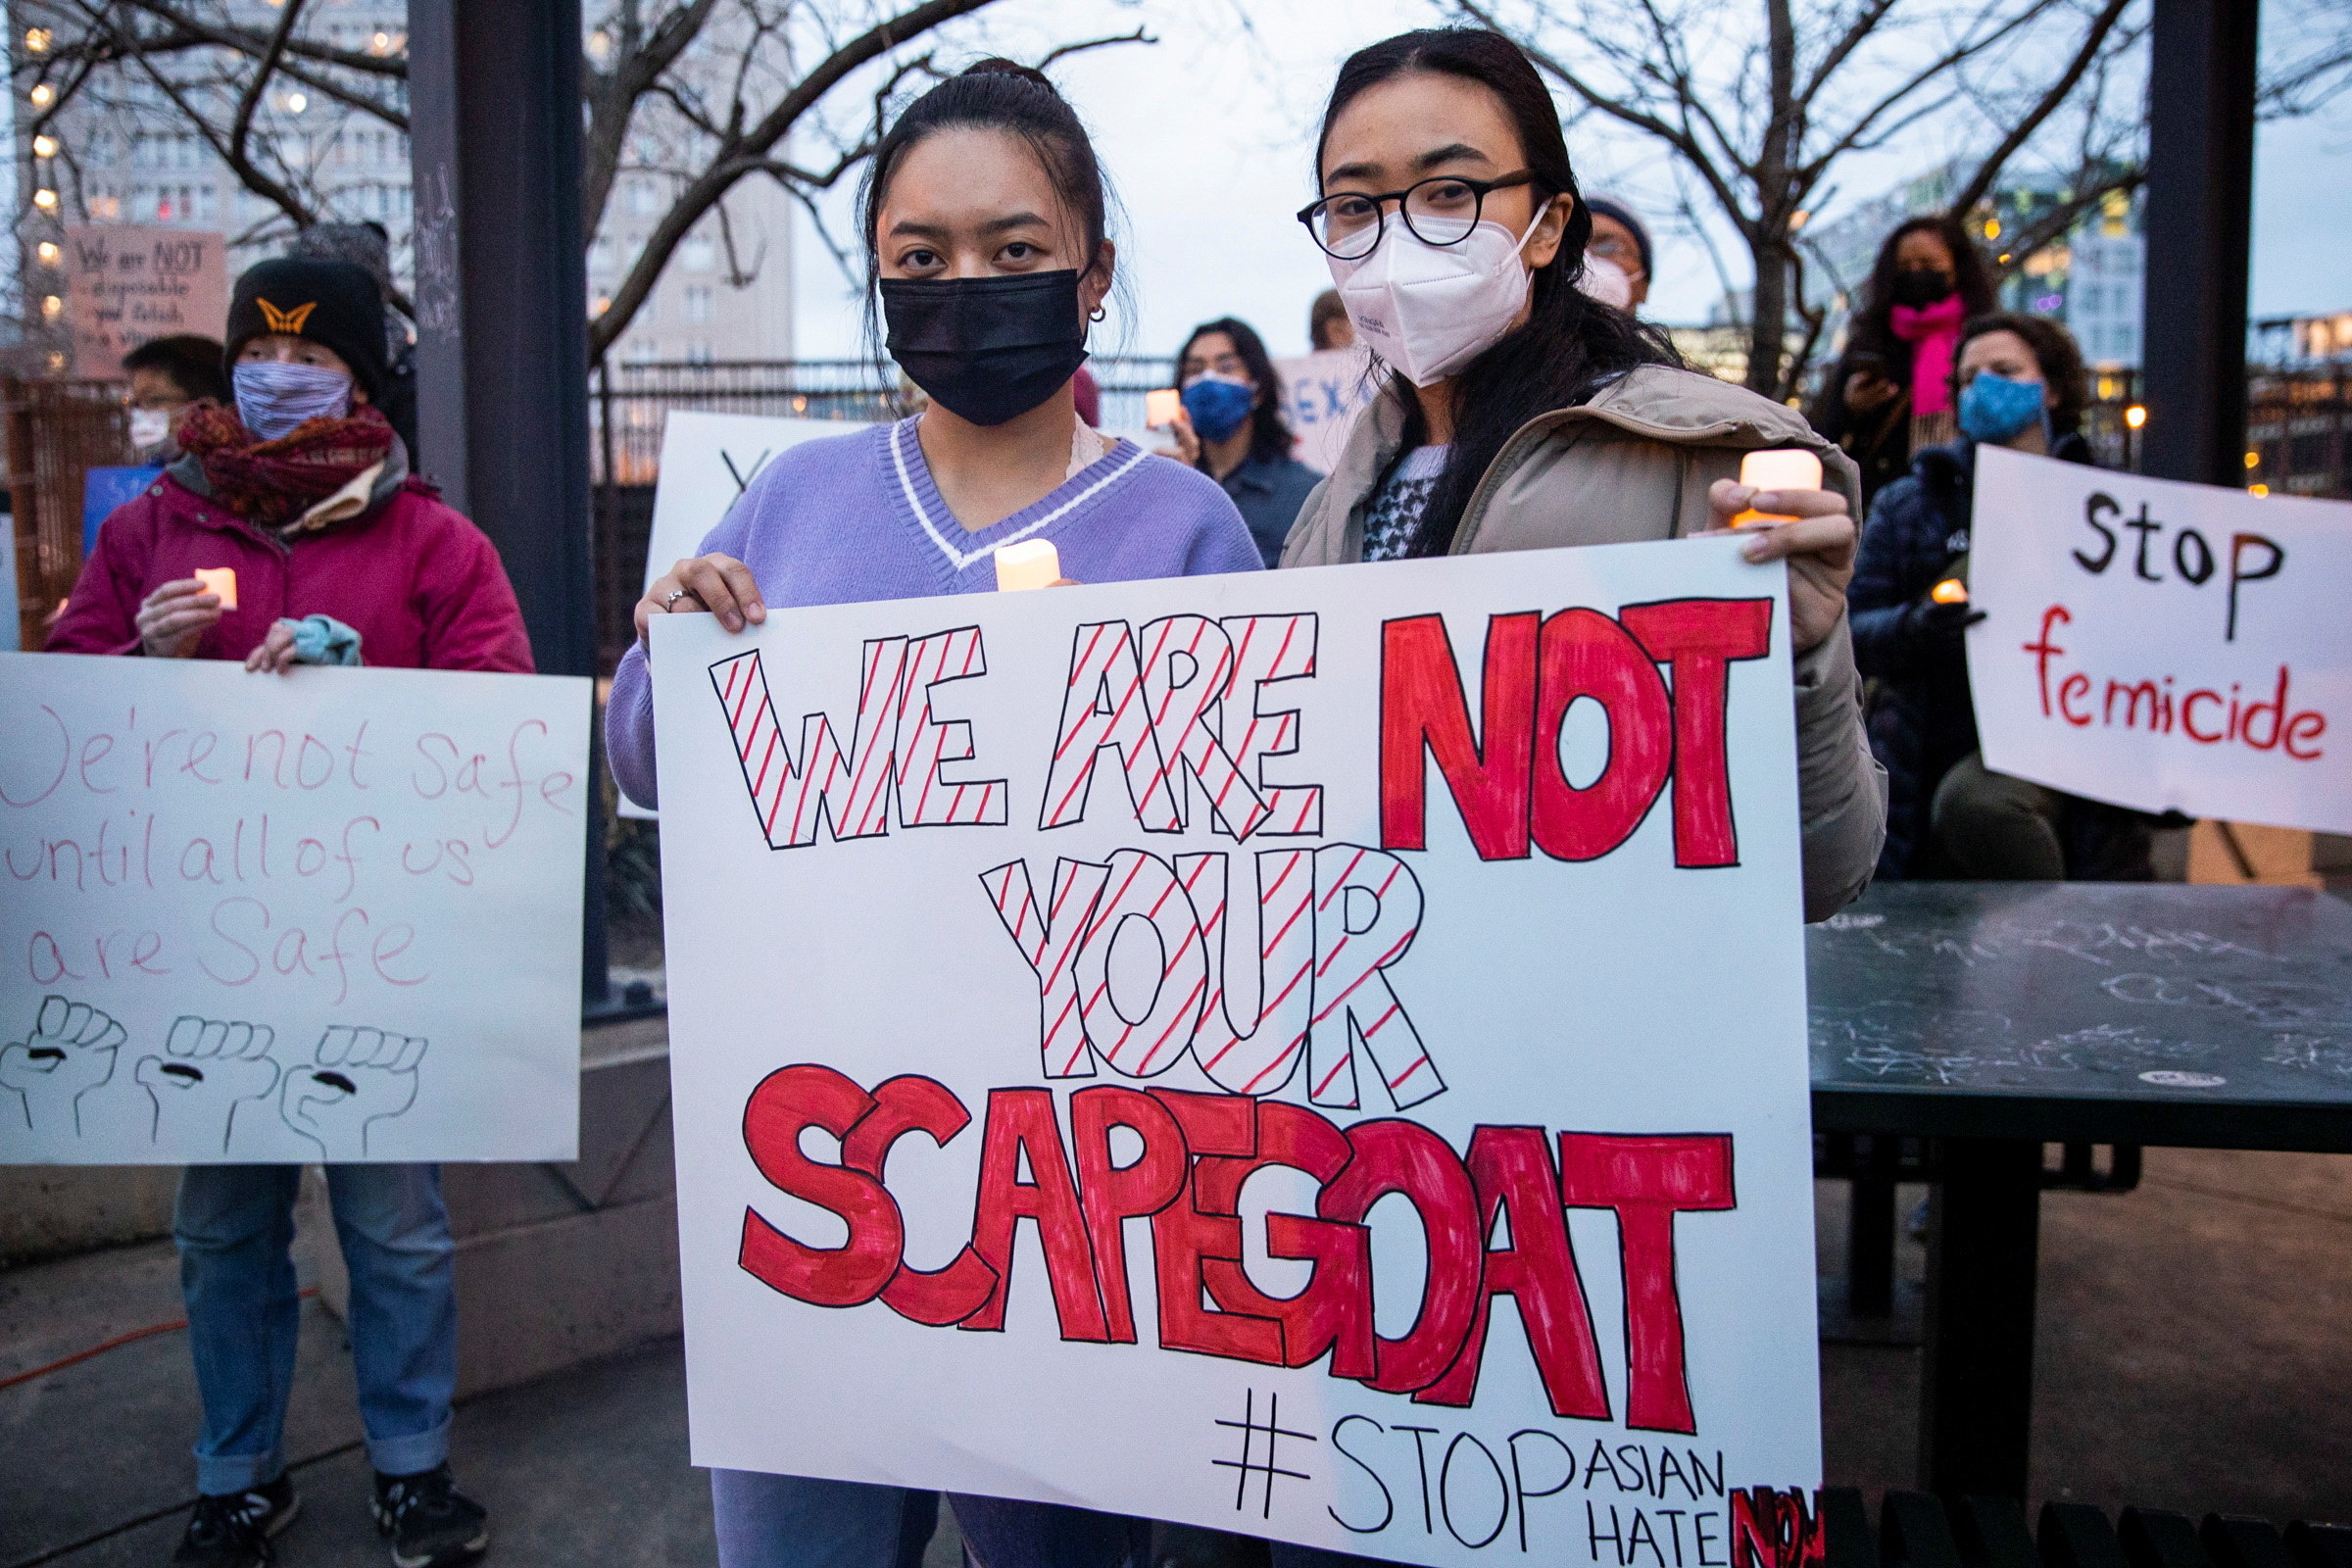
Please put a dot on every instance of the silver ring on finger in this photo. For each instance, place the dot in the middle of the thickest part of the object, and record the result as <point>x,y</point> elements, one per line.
<point>676,594</point>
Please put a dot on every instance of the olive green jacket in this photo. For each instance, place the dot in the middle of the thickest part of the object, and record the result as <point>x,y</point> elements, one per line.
<point>1635,463</point>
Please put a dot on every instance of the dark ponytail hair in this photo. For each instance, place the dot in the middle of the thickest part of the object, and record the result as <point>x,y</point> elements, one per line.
<point>1570,344</point>
<point>1269,432</point>
<point>995,95</point>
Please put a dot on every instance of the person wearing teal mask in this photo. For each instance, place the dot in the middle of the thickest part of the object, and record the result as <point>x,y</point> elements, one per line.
<point>1232,430</point>
<point>2020,383</point>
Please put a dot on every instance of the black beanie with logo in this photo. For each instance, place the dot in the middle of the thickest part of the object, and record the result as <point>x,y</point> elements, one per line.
<point>332,303</point>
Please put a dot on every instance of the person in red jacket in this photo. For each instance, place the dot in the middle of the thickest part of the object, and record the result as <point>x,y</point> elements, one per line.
<point>341,557</point>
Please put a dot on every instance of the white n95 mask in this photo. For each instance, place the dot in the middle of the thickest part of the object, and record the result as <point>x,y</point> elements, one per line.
<point>1429,310</point>
<point>149,428</point>
<point>1604,281</point>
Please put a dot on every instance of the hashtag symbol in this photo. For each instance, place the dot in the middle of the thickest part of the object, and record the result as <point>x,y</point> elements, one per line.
<point>1248,1465</point>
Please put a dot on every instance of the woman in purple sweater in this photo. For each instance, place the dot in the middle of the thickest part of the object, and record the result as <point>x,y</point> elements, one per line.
<point>984,227</point>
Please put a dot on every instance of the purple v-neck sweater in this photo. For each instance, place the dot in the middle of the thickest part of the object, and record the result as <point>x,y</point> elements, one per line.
<point>855,518</point>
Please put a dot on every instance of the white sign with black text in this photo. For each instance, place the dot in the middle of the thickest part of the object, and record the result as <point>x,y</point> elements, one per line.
<point>2160,645</point>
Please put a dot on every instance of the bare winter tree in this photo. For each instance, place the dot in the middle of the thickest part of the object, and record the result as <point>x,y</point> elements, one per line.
<point>701,94</point>
<point>1759,105</point>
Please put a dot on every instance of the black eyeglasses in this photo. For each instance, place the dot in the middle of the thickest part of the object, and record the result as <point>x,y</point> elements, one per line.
<point>1439,211</point>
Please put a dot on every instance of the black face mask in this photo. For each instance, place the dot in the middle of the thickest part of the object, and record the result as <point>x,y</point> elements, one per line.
<point>986,349</point>
<point>1918,286</point>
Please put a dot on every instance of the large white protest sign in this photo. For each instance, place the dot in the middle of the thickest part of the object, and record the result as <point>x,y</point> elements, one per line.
<point>1218,928</point>
<point>2160,645</point>
<point>329,915</point>
<point>1320,394</point>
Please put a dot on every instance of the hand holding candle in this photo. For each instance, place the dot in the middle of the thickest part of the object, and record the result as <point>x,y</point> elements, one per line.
<point>172,620</point>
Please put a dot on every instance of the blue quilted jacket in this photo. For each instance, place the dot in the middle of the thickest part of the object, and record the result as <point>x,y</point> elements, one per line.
<point>1921,719</point>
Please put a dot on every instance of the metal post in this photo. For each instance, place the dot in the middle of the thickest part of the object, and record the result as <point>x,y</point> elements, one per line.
<point>501,318</point>
<point>1976,1377</point>
<point>1870,1231</point>
<point>2198,221</point>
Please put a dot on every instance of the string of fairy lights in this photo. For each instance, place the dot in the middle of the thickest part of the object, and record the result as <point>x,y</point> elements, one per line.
<point>48,196</point>
<point>45,199</point>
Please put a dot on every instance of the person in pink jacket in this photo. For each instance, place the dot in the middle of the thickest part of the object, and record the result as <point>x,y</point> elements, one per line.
<point>320,517</point>
<point>341,558</point>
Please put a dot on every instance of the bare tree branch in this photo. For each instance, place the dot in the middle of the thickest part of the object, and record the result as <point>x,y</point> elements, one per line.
<point>1063,51</point>
<point>747,151</point>
<point>2060,220</point>
<point>2095,39</point>
<point>255,44</point>
<point>696,94</point>
<point>613,95</point>
<point>1758,114</point>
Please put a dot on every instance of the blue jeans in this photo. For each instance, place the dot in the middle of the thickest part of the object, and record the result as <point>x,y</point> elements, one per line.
<point>769,1521</point>
<point>235,1228</point>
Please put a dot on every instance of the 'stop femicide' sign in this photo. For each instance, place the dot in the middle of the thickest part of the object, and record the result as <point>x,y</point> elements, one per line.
<point>2161,645</point>
<point>1317,1054</point>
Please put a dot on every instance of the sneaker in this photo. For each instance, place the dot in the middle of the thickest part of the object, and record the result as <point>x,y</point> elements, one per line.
<point>232,1529</point>
<point>428,1521</point>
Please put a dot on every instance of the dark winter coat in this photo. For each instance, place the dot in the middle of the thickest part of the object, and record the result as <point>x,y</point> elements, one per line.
<point>1879,440</point>
<point>1921,715</point>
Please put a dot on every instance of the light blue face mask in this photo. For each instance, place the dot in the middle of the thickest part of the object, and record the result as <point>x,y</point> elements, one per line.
<point>1996,409</point>
<point>274,399</point>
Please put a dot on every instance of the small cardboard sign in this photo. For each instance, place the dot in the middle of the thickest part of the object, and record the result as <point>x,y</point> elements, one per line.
<point>126,283</point>
<point>1321,393</point>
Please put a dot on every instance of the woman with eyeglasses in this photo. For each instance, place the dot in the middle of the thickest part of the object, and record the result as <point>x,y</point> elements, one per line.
<point>1521,413</point>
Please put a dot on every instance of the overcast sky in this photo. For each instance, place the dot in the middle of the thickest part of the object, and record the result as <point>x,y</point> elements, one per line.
<point>1208,133</point>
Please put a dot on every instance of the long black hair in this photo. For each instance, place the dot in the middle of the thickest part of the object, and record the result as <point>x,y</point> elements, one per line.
<point>1874,325</point>
<point>1269,432</point>
<point>1002,95</point>
<point>1570,343</point>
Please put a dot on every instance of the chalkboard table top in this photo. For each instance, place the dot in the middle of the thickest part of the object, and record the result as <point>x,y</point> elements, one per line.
<point>2101,1012</point>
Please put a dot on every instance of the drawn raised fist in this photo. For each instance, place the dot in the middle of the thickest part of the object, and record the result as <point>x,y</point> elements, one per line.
<point>206,1068</point>
<point>69,1053</point>
<point>361,1077</point>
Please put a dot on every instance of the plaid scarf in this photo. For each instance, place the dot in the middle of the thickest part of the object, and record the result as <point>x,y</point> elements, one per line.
<point>271,483</point>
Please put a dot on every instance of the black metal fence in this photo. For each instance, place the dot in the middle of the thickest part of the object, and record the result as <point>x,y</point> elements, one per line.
<point>2299,431</point>
<point>628,402</point>
<point>2298,437</point>
<point>627,405</point>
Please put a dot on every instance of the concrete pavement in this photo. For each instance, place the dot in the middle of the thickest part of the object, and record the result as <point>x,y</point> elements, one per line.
<point>2195,1352</point>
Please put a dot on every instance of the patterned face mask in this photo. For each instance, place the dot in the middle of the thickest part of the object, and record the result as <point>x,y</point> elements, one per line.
<point>1995,409</point>
<point>275,399</point>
